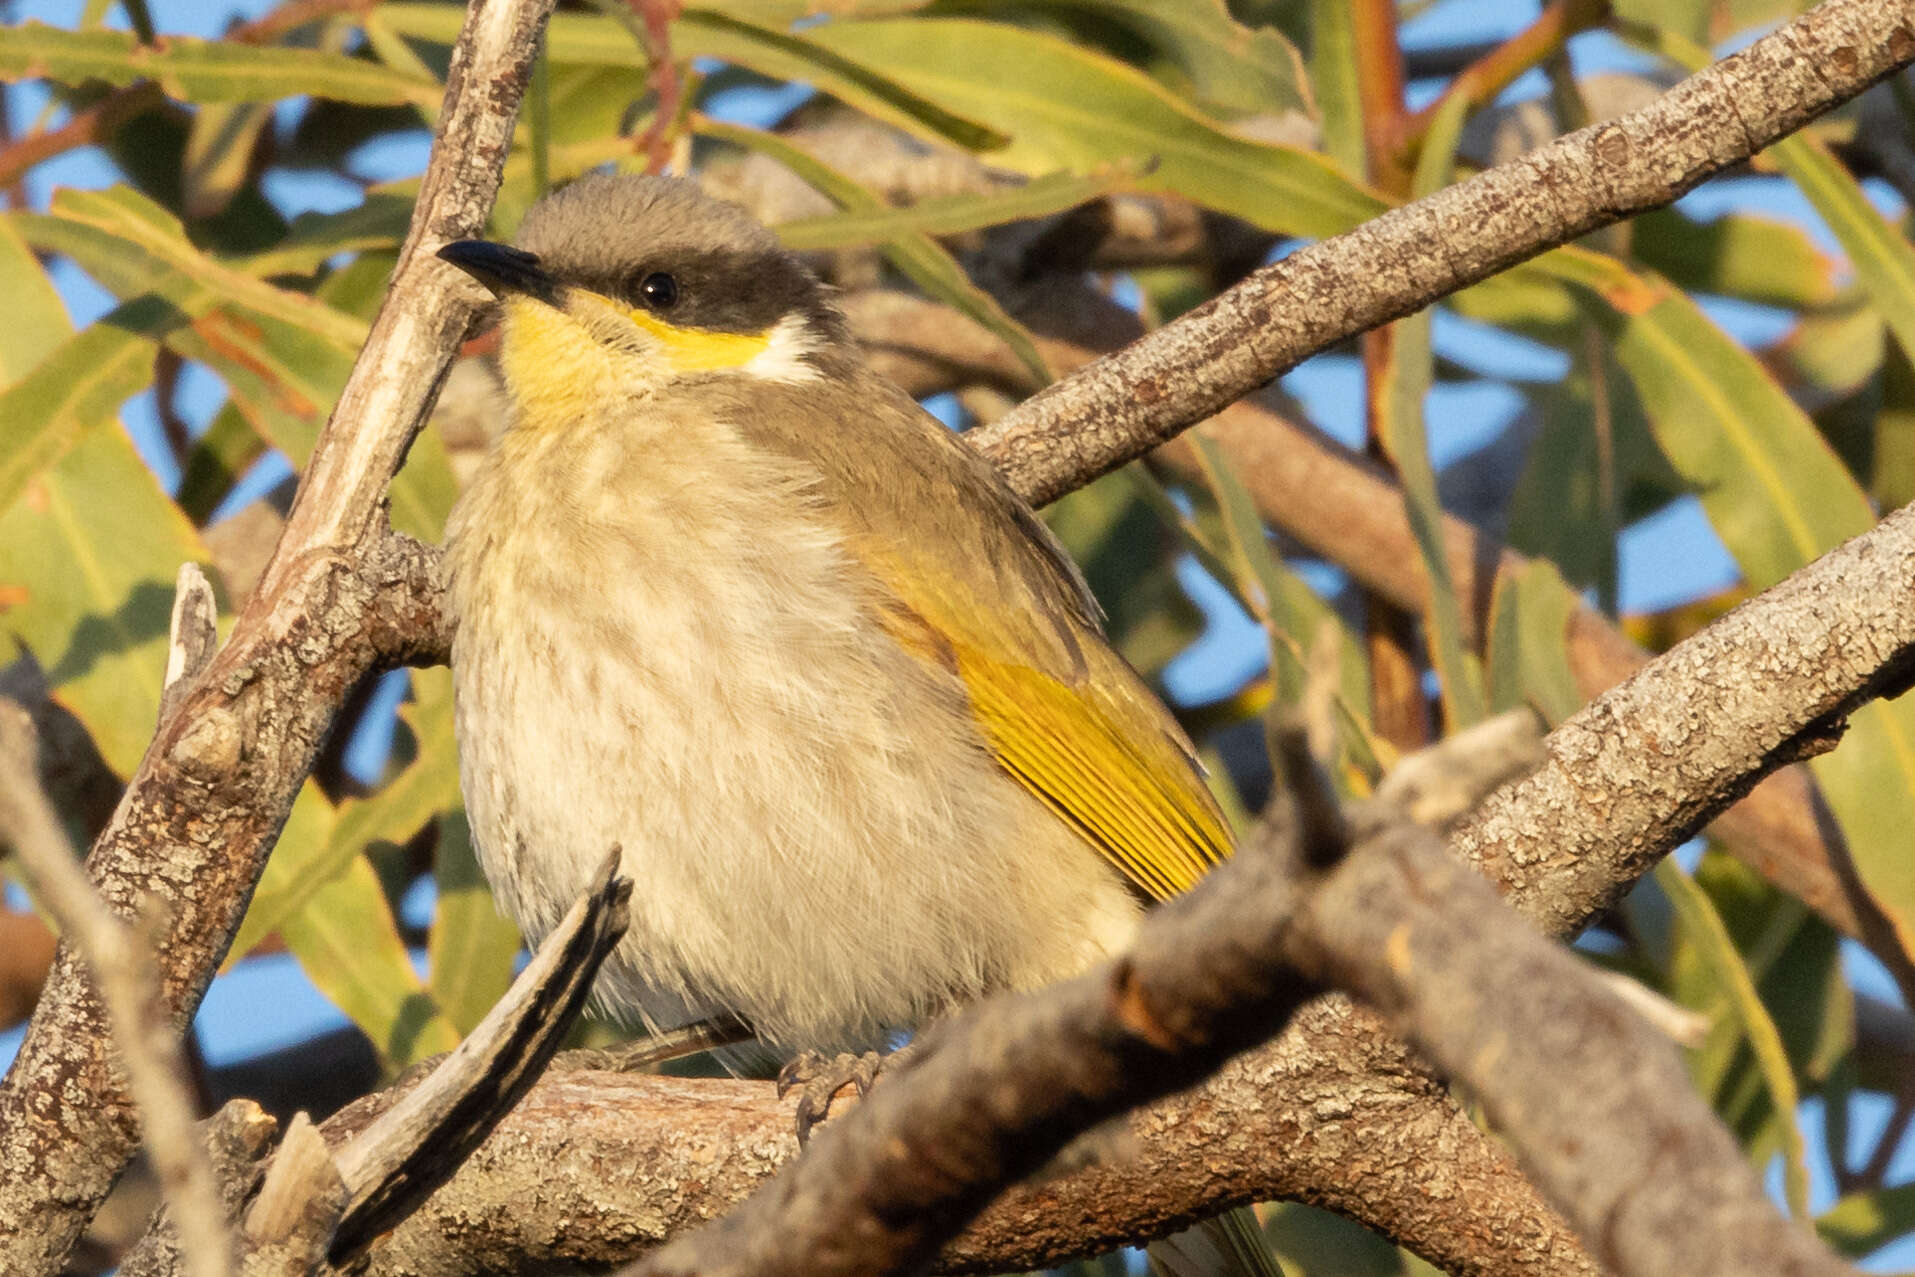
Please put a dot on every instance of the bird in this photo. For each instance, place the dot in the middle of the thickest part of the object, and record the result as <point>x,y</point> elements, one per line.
<point>728,600</point>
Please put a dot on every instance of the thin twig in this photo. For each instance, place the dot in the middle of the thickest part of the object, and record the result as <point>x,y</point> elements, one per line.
<point>667,85</point>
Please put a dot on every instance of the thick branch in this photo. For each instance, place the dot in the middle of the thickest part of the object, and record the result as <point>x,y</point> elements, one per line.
<point>341,596</point>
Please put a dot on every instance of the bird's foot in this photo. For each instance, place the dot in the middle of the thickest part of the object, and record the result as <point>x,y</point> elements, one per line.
<point>819,1077</point>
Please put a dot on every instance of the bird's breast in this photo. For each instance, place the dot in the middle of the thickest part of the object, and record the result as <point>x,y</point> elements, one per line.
<point>668,649</point>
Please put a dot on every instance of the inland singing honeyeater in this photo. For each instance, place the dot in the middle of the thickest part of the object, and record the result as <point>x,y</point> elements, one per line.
<point>728,599</point>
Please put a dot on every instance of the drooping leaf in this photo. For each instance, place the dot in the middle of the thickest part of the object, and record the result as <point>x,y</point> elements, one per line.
<point>348,943</point>
<point>473,946</point>
<point>1529,643</point>
<point>88,554</point>
<point>1333,72</point>
<point>37,318</point>
<point>1778,496</point>
<point>203,71</point>
<point>950,214</point>
<point>1072,109</point>
<point>1293,617</point>
<point>1703,928</point>
<point>1406,384</point>
<point>1883,260</point>
<point>1775,492</point>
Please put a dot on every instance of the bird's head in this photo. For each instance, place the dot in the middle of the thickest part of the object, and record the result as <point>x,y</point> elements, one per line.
<point>619,286</point>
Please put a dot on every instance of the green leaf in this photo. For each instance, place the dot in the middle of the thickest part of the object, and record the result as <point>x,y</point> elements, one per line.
<point>1406,385</point>
<point>37,319</point>
<point>1068,108</point>
<point>950,214</point>
<point>88,555</point>
<point>1884,262</point>
<point>473,947</point>
<point>204,71</point>
<point>1292,615</point>
<point>585,40</point>
<point>219,457</point>
<point>1333,72</point>
<point>348,944</point>
<point>1775,491</point>
<point>1865,1222</point>
<point>1556,511</point>
<point>284,355</point>
<point>916,255</point>
<point>132,245</point>
<point>320,841</point>
<point>1233,68</point>
<point>1778,496</point>
<point>1529,642</point>
<point>219,150</point>
<point>1737,255</point>
<point>1704,928</point>
<point>79,386</point>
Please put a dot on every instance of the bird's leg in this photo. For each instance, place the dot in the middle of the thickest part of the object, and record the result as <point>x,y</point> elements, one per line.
<point>820,1077</point>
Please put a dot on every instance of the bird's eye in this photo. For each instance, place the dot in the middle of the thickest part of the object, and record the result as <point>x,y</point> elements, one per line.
<point>658,290</point>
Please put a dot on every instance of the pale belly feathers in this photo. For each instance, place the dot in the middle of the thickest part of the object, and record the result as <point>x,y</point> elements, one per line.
<point>681,658</point>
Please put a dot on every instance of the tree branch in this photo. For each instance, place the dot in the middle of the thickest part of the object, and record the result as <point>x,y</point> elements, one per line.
<point>1127,403</point>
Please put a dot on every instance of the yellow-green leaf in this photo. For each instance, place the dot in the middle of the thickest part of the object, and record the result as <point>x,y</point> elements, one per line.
<point>1529,642</point>
<point>76,388</point>
<point>348,944</point>
<point>88,554</point>
<point>1704,929</point>
<point>203,70</point>
<point>473,947</point>
<point>1234,68</point>
<point>1069,108</point>
<point>574,39</point>
<point>1883,260</point>
<point>950,214</point>
<point>1406,384</point>
<point>37,318</point>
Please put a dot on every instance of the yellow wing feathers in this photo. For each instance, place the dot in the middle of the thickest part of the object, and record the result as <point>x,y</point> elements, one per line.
<point>1090,742</point>
<point>1135,798</point>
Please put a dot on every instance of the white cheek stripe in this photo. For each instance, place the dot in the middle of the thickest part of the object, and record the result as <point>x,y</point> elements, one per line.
<point>784,355</point>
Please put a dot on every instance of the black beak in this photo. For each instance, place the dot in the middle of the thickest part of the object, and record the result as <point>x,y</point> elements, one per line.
<point>503,270</point>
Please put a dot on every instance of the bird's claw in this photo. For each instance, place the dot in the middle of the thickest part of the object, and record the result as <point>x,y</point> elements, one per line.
<point>820,1077</point>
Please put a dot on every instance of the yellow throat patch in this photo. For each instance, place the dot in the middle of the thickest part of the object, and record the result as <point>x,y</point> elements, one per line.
<point>557,369</point>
